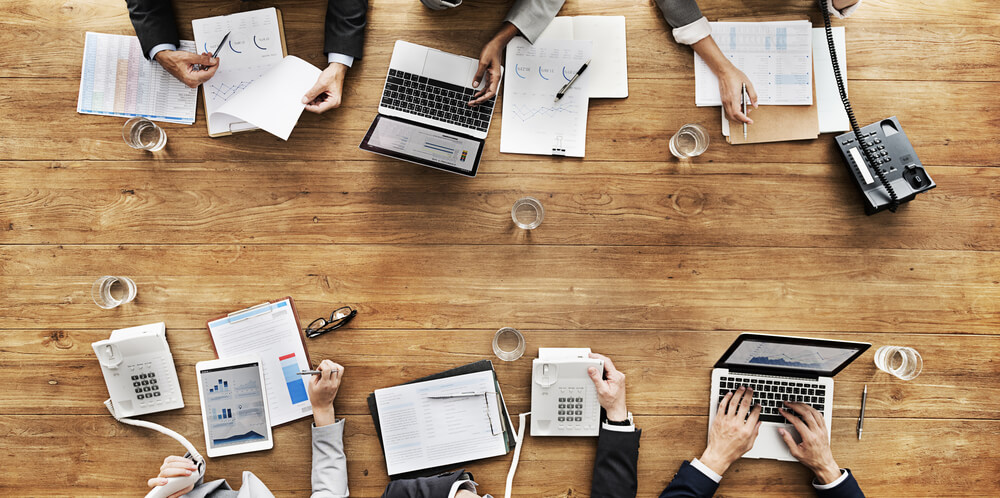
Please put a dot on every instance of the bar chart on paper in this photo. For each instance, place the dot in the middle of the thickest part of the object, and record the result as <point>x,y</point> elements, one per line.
<point>293,381</point>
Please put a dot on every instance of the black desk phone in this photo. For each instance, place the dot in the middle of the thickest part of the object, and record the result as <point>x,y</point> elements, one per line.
<point>883,163</point>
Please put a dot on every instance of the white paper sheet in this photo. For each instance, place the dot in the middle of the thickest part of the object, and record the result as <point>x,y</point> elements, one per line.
<point>419,432</point>
<point>273,334</point>
<point>609,78</point>
<point>776,56</point>
<point>274,101</point>
<point>117,80</point>
<point>532,122</point>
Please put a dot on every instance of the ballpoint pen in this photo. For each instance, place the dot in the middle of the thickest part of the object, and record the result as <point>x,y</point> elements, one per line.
<point>217,50</point>
<point>743,102</point>
<point>314,372</point>
<point>458,395</point>
<point>861,418</point>
<point>565,88</point>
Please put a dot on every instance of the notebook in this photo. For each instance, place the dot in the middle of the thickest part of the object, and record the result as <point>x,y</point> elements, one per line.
<point>609,67</point>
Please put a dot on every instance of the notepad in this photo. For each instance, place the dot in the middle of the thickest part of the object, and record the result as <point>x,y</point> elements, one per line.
<point>609,64</point>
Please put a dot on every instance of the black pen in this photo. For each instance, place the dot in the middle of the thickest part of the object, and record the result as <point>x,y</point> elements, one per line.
<point>565,88</point>
<point>861,418</point>
<point>217,50</point>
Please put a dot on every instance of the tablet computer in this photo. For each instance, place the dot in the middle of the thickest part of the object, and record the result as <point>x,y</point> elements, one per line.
<point>234,406</point>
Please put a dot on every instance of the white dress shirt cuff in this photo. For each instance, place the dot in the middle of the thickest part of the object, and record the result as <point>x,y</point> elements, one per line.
<point>457,486</point>
<point>843,475</point>
<point>689,34</point>
<point>619,428</point>
<point>160,48</point>
<point>842,13</point>
<point>346,60</point>
<point>705,470</point>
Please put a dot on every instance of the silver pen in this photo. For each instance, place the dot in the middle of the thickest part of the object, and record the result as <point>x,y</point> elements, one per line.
<point>565,88</point>
<point>861,418</point>
<point>743,100</point>
<point>217,50</point>
<point>458,395</point>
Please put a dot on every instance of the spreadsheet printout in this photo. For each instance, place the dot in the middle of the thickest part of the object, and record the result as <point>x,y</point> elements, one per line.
<point>117,80</point>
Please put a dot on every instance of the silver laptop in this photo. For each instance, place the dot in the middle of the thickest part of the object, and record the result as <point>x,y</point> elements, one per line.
<point>781,368</point>
<point>424,116</point>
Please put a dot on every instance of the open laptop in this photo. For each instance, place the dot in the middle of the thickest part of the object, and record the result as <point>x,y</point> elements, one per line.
<point>424,116</point>
<point>781,368</point>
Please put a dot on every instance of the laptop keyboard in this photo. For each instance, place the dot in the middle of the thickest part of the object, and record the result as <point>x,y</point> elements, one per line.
<point>435,99</point>
<point>769,393</point>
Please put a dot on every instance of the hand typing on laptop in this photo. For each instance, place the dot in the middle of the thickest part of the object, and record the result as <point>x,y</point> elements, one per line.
<point>814,451</point>
<point>733,432</point>
<point>490,60</point>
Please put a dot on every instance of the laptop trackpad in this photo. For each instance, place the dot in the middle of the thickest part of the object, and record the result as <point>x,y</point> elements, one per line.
<point>769,443</point>
<point>449,68</point>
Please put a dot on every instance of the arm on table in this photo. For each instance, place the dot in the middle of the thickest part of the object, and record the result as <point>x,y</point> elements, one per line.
<point>329,463</point>
<point>615,466</point>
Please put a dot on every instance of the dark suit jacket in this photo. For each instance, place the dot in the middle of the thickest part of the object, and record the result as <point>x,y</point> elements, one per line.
<point>615,465</point>
<point>423,487</point>
<point>154,24</point>
<point>689,482</point>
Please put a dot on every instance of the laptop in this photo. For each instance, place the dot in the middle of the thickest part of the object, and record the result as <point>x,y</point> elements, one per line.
<point>424,116</point>
<point>781,368</point>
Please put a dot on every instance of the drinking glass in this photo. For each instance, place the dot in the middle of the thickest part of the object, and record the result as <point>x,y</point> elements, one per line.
<point>689,141</point>
<point>901,361</point>
<point>508,344</point>
<point>109,292</point>
<point>143,134</point>
<point>527,213</point>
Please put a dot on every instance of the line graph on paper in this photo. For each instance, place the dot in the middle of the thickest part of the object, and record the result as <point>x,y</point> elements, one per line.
<point>526,113</point>
<point>224,91</point>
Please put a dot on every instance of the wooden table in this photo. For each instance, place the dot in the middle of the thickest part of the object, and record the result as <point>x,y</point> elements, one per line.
<point>657,263</point>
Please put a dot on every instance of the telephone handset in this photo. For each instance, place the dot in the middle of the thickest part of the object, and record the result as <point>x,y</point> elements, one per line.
<point>563,397</point>
<point>880,148</point>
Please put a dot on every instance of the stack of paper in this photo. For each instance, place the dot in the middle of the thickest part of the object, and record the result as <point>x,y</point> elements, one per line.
<point>609,65</point>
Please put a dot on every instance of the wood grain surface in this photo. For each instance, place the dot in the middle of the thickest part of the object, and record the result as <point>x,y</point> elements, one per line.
<point>655,262</point>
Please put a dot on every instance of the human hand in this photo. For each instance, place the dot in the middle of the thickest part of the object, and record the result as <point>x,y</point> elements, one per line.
<point>733,432</point>
<point>814,450</point>
<point>489,64</point>
<point>731,81</point>
<point>326,93</point>
<point>191,69</point>
<point>322,390</point>
<point>174,466</point>
<point>610,390</point>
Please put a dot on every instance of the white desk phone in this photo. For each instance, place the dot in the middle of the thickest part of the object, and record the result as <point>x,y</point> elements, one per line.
<point>139,371</point>
<point>563,397</point>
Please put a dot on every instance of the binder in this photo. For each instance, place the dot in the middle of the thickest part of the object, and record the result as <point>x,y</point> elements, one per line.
<point>478,366</point>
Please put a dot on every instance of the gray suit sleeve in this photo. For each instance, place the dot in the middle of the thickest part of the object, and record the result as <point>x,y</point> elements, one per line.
<point>679,12</point>
<point>329,464</point>
<point>531,17</point>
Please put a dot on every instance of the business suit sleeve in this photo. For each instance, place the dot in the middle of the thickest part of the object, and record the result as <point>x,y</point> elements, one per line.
<point>689,482</point>
<point>531,17</point>
<point>345,27</point>
<point>615,465</point>
<point>848,488</point>
<point>686,19</point>
<point>154,23</point>
<point>329,464</point>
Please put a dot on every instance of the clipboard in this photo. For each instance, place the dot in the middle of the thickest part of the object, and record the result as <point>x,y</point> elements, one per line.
<point>274,366</point>
<point>478,366</point>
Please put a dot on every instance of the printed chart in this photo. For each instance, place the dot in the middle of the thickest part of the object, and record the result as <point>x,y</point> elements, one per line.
<point>293,381</point>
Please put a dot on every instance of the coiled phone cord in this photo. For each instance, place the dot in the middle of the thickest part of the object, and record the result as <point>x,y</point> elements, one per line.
<point>894,201</point>
<point>519,438</point>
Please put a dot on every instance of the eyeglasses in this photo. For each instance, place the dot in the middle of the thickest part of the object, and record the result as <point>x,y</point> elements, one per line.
<point>338,318</point>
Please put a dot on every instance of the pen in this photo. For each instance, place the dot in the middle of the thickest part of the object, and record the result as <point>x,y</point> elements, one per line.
<point>310,372</point>
<point>565,88</point>
<point>217,49</point>
<point>743,102</point>
<point>458,395</point>
<point>861,418</point>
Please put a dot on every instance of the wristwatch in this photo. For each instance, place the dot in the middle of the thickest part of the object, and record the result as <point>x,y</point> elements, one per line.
<point>624,423</point>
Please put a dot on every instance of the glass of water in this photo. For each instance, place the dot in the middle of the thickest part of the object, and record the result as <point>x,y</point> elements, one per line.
<point>109,292</point>
<point>901,361</point>
<point>508,344</point>
<point>527,213</point>
<point>143,134</point>
<point>689,141</point>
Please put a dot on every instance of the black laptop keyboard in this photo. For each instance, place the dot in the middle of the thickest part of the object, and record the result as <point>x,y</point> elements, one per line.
<point>769,393</point>
<point>435,100</point>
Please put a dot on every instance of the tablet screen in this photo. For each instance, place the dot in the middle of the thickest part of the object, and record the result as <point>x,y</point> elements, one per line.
<point>234,405</point>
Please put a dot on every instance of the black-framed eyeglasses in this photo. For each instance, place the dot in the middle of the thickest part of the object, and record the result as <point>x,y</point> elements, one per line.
<point>338,318</point>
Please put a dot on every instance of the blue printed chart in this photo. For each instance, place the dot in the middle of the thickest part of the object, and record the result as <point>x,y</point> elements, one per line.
<point>293,381</point>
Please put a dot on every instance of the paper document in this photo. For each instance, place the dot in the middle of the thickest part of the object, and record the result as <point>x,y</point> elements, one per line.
<point>832,115</point>
<point>609,67</point>
<point>776,56</point>
<point>420,432</point>
<point>532,122</point>
<point>117,80</point>
<point>271,332</point>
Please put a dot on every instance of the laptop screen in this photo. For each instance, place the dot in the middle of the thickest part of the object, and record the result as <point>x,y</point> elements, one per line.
<point>790,355</point>
<point>423,144</point>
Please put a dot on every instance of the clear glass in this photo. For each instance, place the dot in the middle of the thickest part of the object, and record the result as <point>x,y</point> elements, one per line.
<point>143,134</point>
<point>508,344</point>
<point>689,141</point>
<point>901,361</point>
<point>109,292</point>
<point>527,213</point>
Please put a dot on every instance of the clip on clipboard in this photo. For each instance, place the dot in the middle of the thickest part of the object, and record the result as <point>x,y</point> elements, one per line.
<point>280,343</point>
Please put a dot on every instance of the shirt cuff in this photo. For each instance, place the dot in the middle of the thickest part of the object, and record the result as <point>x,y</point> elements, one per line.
<point>160,48</point>
<point>842,13</point>
<point>689,34</point>
<point>704,468</point>
<point>346,60</point>
<point>618,428</point>
<point>459,485</point>
<point>834,484</point>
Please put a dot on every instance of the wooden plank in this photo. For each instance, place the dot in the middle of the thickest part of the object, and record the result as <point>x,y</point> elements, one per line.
<point>103,457</point>
<point>633,129</point>
<point>725,204</point>
<point>55,372</point>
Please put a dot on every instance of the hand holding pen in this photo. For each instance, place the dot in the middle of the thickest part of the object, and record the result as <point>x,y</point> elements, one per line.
<point>322,388</point>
